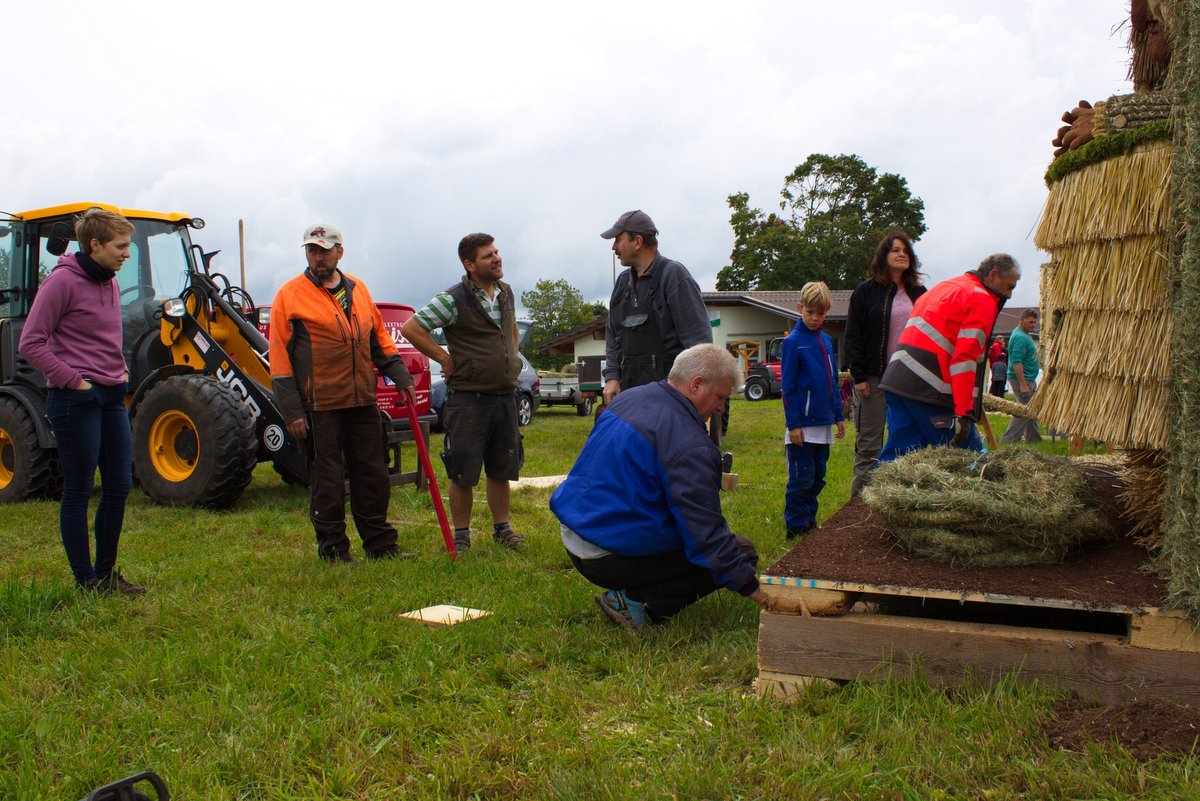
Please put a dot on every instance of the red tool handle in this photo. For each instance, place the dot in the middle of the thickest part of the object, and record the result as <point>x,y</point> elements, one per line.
<point>434,493</point>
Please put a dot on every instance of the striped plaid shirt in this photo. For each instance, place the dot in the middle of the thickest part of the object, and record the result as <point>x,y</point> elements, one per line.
<point>442,311</point>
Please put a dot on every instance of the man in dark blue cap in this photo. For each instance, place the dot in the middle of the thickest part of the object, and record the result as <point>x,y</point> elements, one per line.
<point>655,312</point>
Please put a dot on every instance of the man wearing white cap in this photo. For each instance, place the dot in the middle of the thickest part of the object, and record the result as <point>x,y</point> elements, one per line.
<point>655,313</point>
<point>326,335</point>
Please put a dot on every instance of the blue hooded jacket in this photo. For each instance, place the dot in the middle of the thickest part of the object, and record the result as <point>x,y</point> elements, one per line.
<point>648,482</point>
<point>809,374</point>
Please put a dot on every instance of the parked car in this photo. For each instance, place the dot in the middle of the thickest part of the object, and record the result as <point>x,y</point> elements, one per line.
<point>527,393</point>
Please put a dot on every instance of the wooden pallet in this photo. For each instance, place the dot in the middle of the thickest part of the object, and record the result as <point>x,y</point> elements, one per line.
<point>836,630</point>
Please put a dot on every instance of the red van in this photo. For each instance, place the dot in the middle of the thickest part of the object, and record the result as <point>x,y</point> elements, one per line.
<point>394,316</point>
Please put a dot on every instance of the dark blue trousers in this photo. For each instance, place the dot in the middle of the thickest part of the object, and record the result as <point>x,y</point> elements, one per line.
<point>914,424</point>
<point>806,479</point>
<point>92,430</point>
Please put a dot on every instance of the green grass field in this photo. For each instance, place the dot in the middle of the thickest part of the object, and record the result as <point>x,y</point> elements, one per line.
<point>253,671</point>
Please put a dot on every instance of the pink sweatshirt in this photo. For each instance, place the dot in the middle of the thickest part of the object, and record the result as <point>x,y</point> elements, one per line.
<point>74,328</point>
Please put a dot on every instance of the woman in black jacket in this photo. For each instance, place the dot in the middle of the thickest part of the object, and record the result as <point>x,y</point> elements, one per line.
<point>878,313</point>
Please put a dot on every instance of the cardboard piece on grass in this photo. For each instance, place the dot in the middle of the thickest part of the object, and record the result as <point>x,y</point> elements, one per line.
<point>444,615</point>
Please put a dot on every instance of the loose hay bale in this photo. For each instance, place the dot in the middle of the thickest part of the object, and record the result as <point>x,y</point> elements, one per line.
<point>1145,474</point>
<point>1013,507</point>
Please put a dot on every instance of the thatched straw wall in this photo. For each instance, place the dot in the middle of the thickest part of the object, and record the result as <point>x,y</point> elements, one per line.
<point>1181,549</point>
<point>1106,322</point>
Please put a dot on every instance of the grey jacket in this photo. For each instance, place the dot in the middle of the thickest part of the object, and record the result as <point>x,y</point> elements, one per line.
<point>666,290</point>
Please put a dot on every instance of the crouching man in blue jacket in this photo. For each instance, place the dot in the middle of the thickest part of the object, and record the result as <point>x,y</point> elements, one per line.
<point>641,508</point>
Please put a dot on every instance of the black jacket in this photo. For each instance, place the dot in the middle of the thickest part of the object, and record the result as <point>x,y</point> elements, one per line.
<point>867,327</point>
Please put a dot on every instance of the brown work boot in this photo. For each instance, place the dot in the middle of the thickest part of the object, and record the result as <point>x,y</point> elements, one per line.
<point>505,536</point>
<point>114,583</point>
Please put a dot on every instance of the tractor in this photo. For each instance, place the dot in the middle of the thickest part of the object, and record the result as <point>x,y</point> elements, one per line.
<point>763,377</point>
<point>200,399</point>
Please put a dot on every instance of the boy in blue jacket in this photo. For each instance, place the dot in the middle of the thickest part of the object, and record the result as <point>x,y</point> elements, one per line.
<point>812,405</point>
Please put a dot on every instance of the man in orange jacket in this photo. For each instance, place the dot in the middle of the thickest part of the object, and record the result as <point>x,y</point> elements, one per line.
<point>930,383</point>
<point>326,335</point>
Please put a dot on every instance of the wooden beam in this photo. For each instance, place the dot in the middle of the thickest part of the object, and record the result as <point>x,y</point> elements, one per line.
<point>797,601</point>
<point>949,595</point>
<point>858,646</point>
<point>1165,632</point>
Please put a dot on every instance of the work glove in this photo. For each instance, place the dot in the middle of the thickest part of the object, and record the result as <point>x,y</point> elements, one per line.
<point>963,425</point>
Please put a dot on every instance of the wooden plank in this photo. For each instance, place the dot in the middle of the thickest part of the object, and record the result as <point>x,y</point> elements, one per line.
<point>784,686</point>
<point>875,646</point>
<point>944,594</point>
<point>801,601</point>
<point>1164,632</point>
<point>729,481</point>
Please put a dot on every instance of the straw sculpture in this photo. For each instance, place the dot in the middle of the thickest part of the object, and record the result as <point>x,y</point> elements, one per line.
<point>1107,372</point>
<point>1007,508</point>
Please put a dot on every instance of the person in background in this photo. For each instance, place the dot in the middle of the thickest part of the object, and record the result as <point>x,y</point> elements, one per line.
<point>879,310</point>
<point>996,353</point>
<point>73,335</point>
<point>640,511</point>
<point>1022,376</point>
<point>812,405</point>
<point>999,360</point>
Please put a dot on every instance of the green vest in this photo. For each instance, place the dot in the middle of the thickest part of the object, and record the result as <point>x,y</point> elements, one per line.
<point>485,357</point>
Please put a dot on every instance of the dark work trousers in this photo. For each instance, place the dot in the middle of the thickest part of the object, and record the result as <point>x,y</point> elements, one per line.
<point>92,430</point>
<point>354,436</point>
<point>666,582</point>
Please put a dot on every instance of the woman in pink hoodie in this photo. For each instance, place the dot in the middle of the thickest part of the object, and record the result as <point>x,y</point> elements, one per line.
<point>73,335</point>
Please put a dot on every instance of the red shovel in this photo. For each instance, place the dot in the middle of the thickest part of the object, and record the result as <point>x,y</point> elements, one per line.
<point>423,454</point>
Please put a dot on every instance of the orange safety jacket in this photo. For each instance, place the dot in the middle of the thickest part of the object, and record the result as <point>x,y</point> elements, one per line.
<point>320,358</point>
<point>943,344</point>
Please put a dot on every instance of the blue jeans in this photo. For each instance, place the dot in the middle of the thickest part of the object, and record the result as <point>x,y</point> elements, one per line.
<point>913,424</point>
<point>806,479</point>
<point>92,430</point>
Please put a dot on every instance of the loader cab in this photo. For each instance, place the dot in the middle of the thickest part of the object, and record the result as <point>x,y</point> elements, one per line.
<point>161,258</point>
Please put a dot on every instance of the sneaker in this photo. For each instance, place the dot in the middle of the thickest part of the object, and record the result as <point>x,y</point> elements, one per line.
<point>116,583</point>
<point>462,540</point>
<point>621,609</point>
<point>507,537</point>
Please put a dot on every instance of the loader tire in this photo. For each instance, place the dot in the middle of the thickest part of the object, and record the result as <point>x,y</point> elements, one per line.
<point>193,443</point>
<point>27,470</point>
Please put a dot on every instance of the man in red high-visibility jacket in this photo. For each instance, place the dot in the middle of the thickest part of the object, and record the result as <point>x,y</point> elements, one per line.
<point>930,383</point>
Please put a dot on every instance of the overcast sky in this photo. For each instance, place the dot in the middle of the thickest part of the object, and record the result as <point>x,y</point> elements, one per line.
<point>410,125</point>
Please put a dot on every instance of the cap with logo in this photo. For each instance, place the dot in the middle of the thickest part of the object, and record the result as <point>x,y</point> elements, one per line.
<point>635,222</point>
<point>322,234</point>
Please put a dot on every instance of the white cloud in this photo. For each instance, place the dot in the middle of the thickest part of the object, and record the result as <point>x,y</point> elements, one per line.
<point>410,125</point>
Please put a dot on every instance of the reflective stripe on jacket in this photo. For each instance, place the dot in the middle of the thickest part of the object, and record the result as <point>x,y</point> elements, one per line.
<point>943,344</point>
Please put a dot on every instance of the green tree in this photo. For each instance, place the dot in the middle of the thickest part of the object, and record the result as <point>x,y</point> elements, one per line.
<point>834,211</point>
<point>555,308</point>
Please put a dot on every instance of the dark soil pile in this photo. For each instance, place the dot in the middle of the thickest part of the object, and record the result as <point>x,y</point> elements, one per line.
<point>855,545</point>
<point>1147,728</point>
